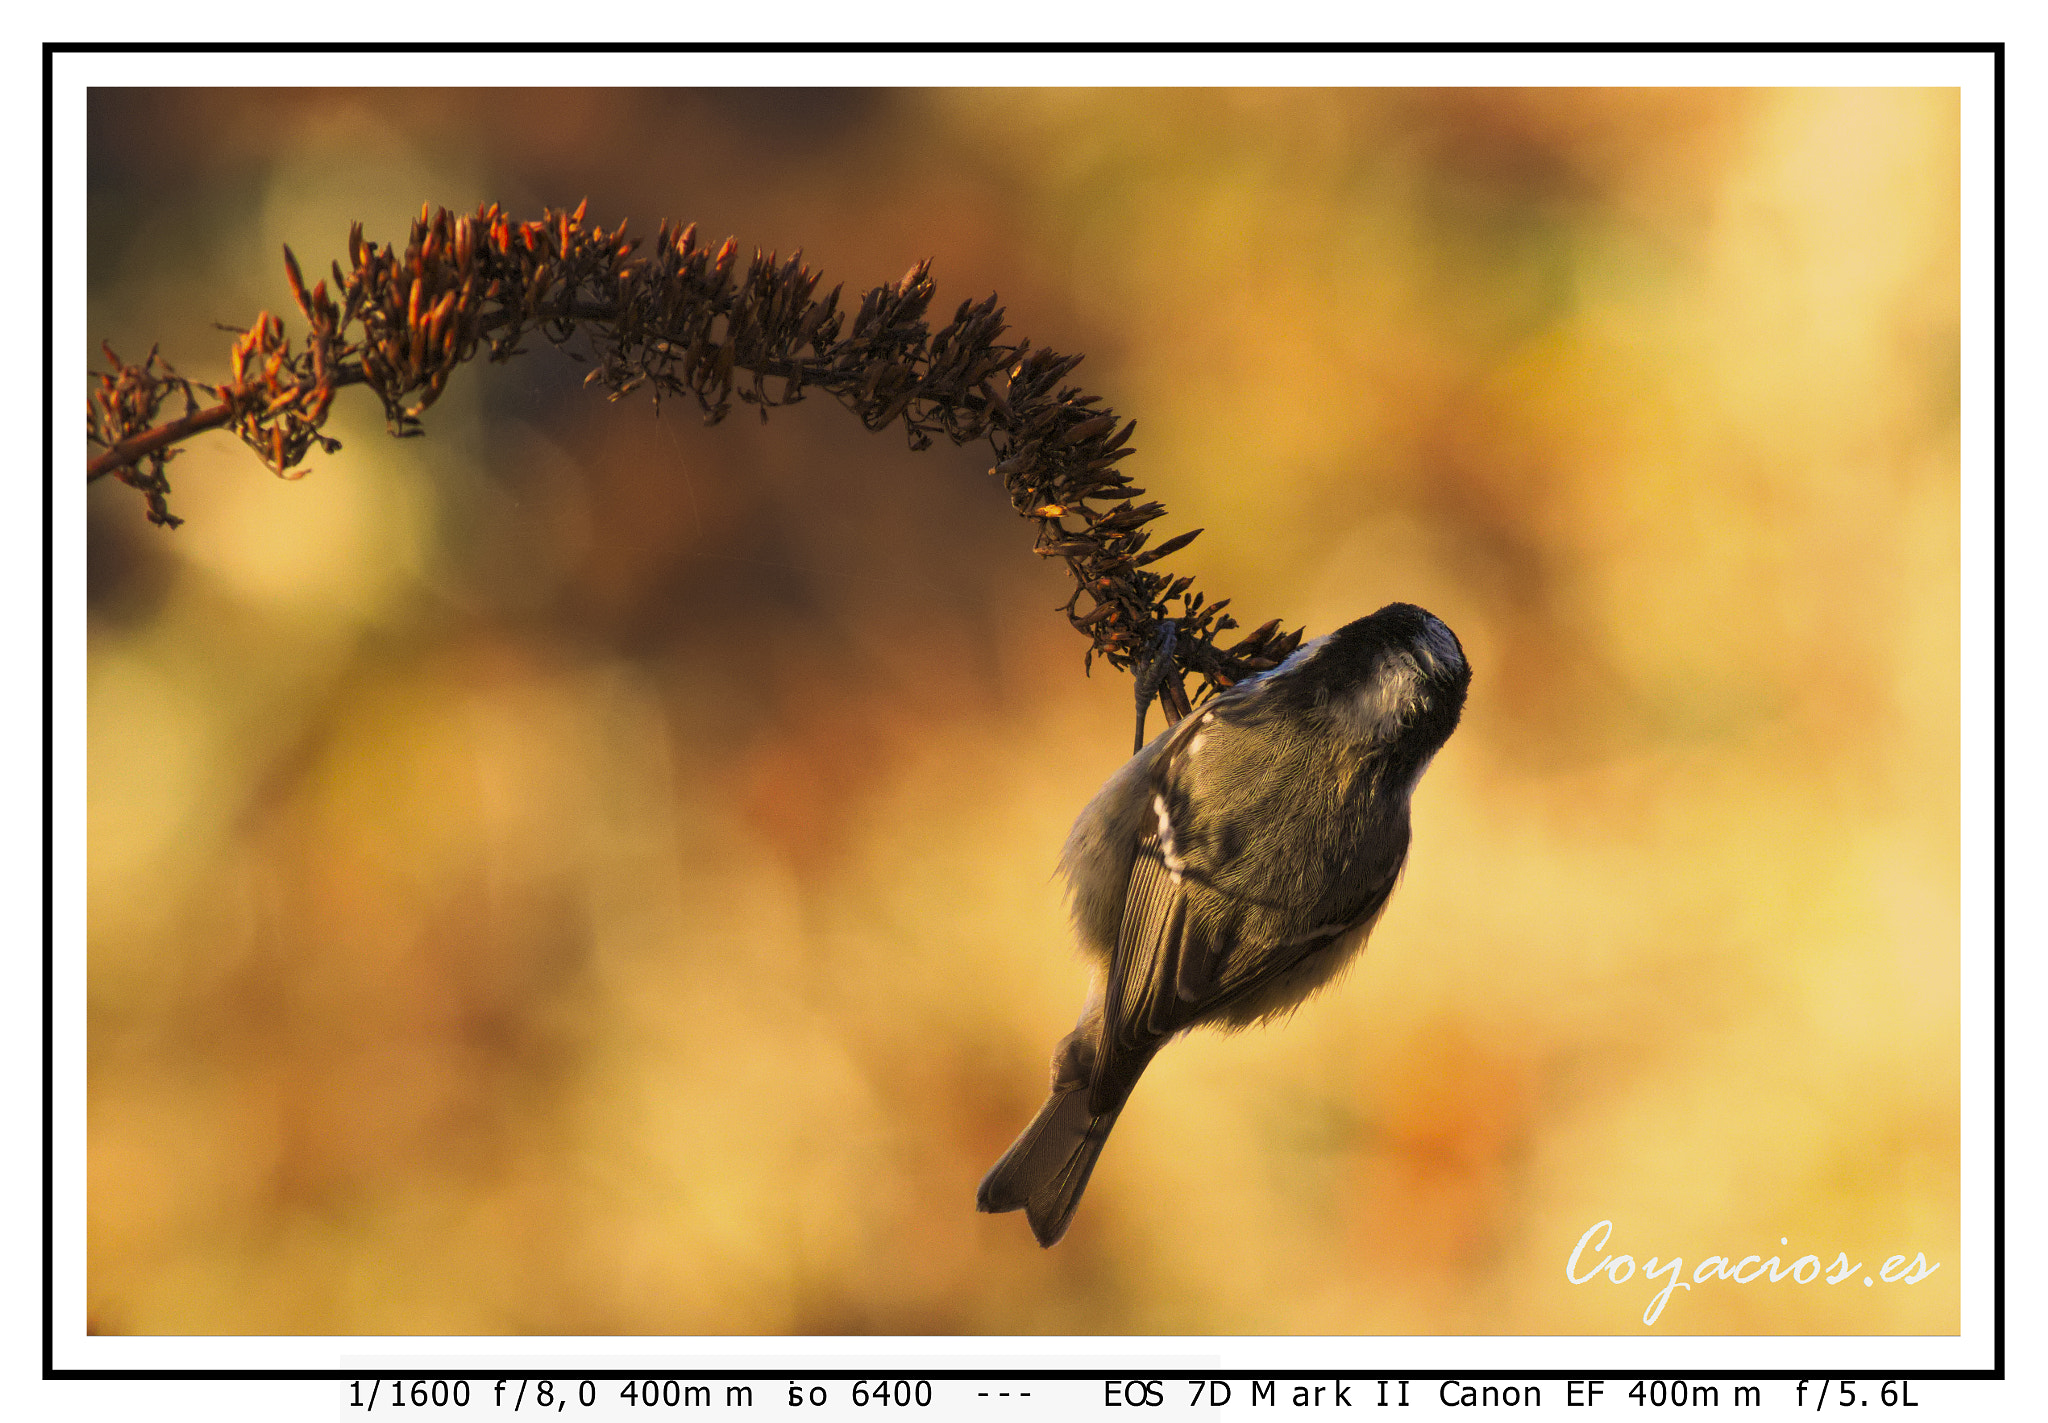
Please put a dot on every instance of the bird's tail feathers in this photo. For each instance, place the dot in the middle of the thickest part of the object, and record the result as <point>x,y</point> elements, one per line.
<point>1045,1171</point>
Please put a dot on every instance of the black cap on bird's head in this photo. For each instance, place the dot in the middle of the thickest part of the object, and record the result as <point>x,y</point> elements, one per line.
<point>1396,678</point>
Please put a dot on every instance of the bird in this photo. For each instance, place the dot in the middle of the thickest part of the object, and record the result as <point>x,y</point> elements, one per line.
<point>1231,868</point>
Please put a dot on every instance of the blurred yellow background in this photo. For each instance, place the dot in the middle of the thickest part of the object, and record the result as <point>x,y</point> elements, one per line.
<point>585,872</point>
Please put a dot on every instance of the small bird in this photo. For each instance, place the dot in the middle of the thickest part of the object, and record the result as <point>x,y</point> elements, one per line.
<point>1231,868</point>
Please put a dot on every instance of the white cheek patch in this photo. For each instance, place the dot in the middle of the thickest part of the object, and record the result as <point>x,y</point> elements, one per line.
<point>1377,709</point>
<point>1167,851</point>
<point>1391,694</point>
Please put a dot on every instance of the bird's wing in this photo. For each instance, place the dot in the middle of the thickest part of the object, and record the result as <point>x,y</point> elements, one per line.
<point>1155,954</point>
<point>1158,969</point>
<point>1180,955</point>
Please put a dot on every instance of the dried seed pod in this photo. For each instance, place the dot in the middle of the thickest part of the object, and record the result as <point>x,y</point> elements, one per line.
<point>482,279</point>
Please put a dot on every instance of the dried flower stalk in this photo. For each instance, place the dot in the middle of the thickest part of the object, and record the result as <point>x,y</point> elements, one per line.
<point>681,319</point>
